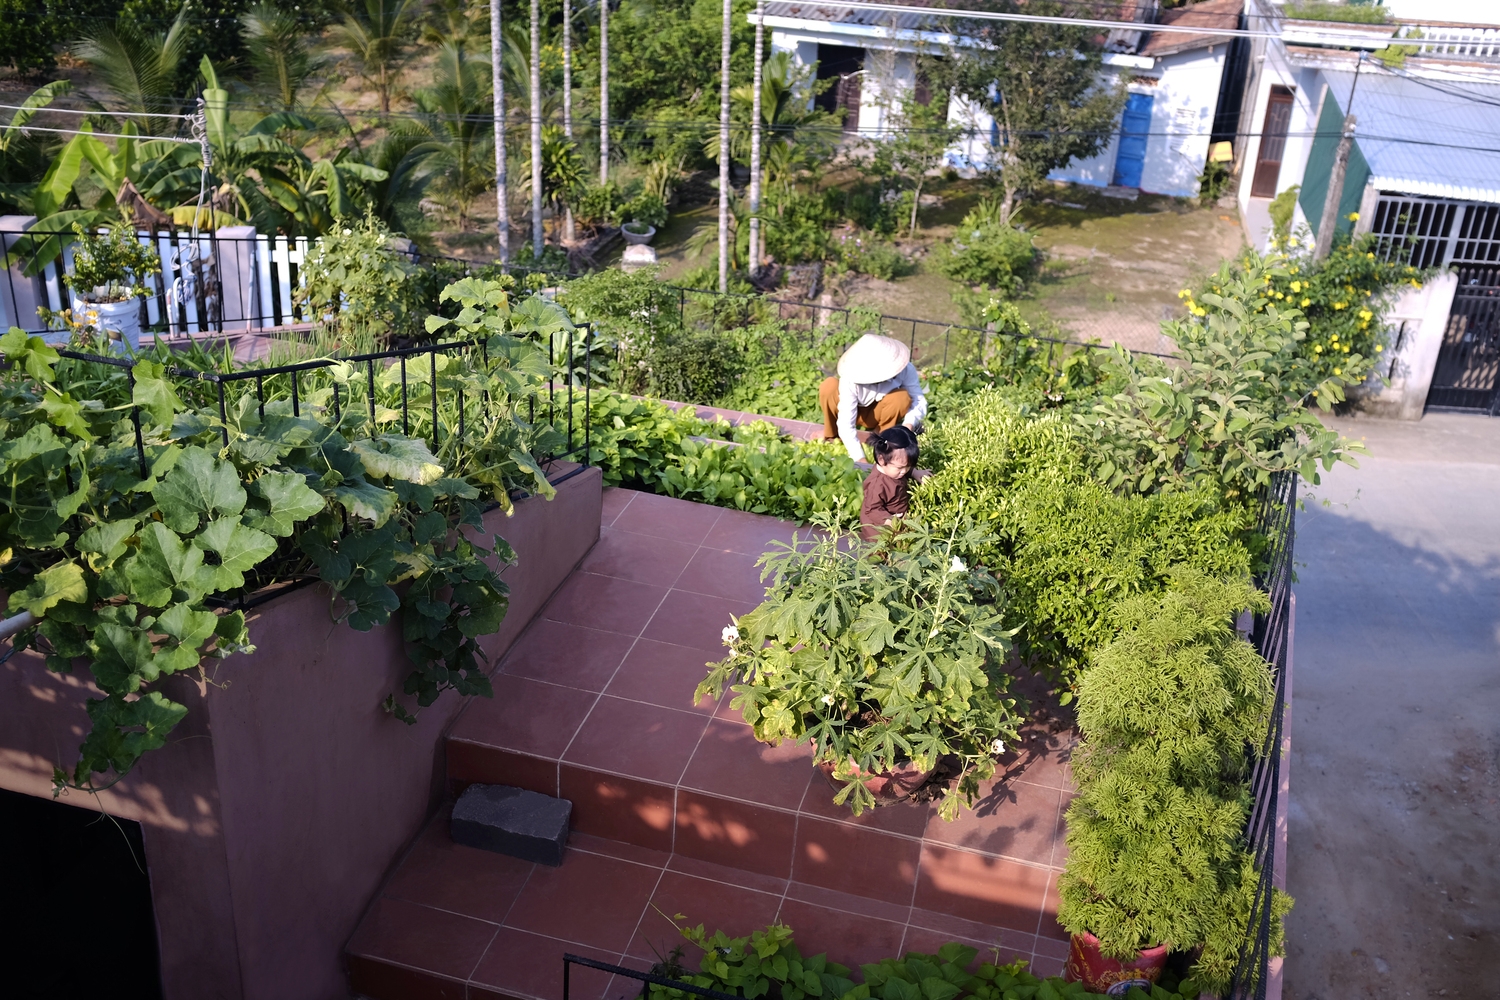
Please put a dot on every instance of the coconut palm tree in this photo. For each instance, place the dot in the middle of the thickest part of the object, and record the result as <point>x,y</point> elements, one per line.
<point>786,118</point>
<point>567,96</point>
<point>723,147</point>
<point>455,148</point>
<point>603,91</point>
<point>537,236</point>
<point>140,68</point>
<point>461,22</point>
<point>497,83</point>
<point>375,34</point>
<point>277,47</point>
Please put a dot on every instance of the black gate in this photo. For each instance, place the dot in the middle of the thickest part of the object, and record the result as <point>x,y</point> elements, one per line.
<point>1434,233</point>
<point>1469,361</point>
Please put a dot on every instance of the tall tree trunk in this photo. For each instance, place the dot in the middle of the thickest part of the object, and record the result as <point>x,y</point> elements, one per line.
<point>724,158</point>
<point>502,208</point>
<point>916,201</point>
<point>755,131</point>
<point>568,233</point>
<point>537,236</point>
<point>1010,166</point>
<point>603,91</point>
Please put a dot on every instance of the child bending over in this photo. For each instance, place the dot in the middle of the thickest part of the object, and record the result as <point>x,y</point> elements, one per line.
<point>888,486</point>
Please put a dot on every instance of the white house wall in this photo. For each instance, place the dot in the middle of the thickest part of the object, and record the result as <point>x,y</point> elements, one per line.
<point>1184,91</point>
<point>1307,102</point>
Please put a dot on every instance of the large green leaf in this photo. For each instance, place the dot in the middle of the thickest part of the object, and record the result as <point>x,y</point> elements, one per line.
<point>238,547</point>
<point>366,500</point>
<point>188,626</point>
<point>198,484</point>
<point>59,582</point>
<point>154,394</point>
<point>165,566</point>
<point>31,353</point>
<point>282,499</point>
<point>123,730</point>
<point>124,658</point>
<point>397,457</point>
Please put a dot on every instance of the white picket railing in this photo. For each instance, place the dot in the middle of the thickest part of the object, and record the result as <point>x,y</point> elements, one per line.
<point>232,280</point>
<point>1455,41</point>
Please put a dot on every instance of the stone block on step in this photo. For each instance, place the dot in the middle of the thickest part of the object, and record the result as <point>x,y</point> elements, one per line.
<point>513,821</point>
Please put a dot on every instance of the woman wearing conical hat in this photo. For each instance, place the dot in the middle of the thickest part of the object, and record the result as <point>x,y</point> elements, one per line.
<point>876,388</point>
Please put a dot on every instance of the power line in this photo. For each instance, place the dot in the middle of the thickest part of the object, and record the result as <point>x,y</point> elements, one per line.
<point>113,114</point>
<point>99,135</point>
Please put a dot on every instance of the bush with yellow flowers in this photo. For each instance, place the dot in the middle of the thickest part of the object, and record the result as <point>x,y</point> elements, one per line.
<point>1343,299</point>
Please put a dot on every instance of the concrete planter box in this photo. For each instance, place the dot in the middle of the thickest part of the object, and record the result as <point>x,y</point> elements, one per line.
<point>287,793</point>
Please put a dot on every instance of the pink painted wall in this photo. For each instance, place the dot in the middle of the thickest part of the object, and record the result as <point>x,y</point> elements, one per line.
<point>287,793</point>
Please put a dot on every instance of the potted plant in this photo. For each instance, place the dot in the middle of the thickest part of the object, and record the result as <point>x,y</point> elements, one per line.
<point>109,273</point>
<point>1156,856</point>
<point>886,658</point>
<point>637,233</point>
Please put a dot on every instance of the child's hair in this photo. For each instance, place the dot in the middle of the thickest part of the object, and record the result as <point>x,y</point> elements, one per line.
<point>888,442</point>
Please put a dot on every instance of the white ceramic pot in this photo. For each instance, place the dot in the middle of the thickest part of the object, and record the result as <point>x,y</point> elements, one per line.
<point>638,239</point>
<point>118,320</point>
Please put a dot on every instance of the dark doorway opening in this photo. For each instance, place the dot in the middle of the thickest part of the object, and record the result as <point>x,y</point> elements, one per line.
<point>842,64</point>
<point>75,905</point>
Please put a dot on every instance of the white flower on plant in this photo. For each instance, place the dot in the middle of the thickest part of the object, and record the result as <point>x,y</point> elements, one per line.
<point>828,699</point>
<point>997,747</point>
<point>348,232</point>
<point>730,635</point>
<point>957,565</point>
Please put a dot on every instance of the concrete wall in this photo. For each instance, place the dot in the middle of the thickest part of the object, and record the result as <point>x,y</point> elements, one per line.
<point>1417,322</point>
<point>283,798</point>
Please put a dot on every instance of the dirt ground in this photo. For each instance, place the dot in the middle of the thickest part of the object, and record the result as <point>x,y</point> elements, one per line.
<point>1394,817</point>
<point>1112,268</point>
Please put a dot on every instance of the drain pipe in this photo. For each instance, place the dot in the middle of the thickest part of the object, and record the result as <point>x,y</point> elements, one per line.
<point>16,623</point>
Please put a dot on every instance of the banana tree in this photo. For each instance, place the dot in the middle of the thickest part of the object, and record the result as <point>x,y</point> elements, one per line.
<point>25,155</point>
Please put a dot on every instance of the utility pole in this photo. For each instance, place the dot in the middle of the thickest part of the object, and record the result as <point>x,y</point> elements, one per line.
<point>1329,223</point>
<point>502,209</point>
<point>537,236</point>
<point>1330,219</point>
<point>724,191</point>
<point>567,54</point>
<point>755,130</point>
<point>603,91</point>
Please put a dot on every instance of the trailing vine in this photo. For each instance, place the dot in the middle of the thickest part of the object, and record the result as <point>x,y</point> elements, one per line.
<point>135,515</point>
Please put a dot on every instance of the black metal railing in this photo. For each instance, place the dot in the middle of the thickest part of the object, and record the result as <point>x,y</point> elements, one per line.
<point>571,366</point>
<point>644,978</point>
<point>1271,637</point>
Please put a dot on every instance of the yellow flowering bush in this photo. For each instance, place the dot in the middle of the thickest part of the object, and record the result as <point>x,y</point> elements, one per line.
<point>1342,299</point>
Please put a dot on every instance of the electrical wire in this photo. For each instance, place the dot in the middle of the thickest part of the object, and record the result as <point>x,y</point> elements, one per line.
<point>74,111</point>
<point>98,135</point>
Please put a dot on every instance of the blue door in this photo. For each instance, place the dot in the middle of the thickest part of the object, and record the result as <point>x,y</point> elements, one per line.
<point>1135,126</point>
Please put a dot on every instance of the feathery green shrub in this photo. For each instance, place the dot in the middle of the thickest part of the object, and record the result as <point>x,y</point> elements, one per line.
<point>1155,838</point>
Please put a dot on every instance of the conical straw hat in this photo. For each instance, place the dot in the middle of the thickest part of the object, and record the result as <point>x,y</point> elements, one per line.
<point>873,358</point>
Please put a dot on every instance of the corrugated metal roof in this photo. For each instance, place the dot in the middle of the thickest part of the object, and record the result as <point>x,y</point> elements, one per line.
<point>1451,133</point>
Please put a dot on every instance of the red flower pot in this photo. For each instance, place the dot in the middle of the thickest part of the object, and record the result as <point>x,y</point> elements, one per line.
<point>888,787</point>
<point>1112,976</point>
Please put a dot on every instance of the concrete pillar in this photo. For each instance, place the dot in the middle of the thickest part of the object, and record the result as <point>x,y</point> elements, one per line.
<point>20,296</point>
<point>235,248</point>
<point>1418,321</point>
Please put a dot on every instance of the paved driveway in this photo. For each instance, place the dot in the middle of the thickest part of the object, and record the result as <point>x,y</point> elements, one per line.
<point>1395,826</point>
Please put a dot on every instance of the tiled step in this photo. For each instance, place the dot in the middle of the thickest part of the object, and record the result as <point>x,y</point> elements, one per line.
<point>455,922</point>
<point>594,704</point>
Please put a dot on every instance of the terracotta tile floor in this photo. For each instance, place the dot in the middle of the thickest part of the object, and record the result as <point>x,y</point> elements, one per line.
<point>677,809</point>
